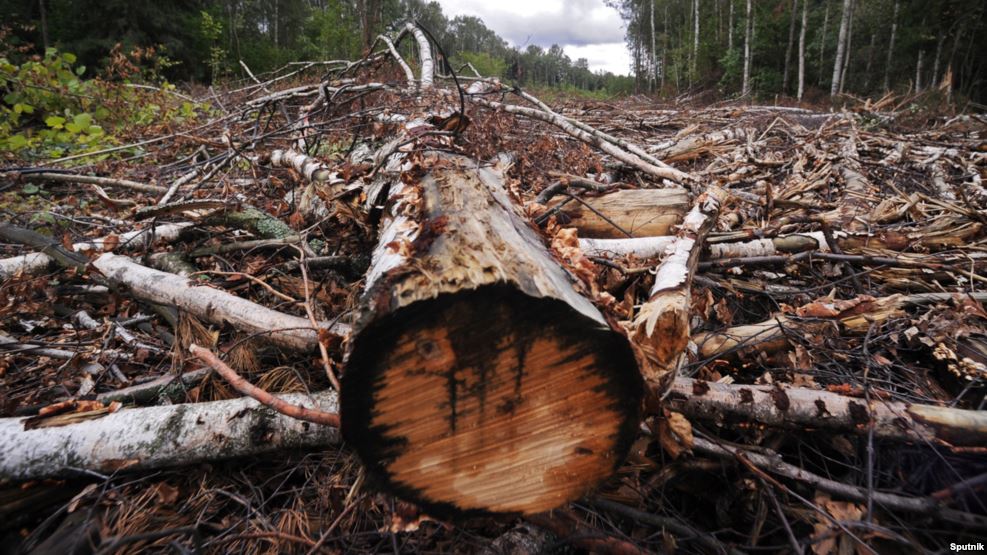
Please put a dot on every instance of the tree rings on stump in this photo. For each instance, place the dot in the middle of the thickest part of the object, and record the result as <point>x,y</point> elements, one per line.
<point>490,401</point>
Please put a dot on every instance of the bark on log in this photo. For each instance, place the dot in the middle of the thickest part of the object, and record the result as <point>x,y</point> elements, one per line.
<point>478,380</point>
<point>640,212</point>
<point>155,437</point>
<point>795,407</point>
<point>214,305</point>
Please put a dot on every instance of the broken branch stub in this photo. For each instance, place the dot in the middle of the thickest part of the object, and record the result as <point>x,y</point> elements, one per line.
<point>478,380</point>
<point>660,331</point>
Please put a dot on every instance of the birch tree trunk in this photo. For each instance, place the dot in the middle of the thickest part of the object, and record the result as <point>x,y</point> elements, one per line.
<point>730,26</point>
<point>894,31</point>
<point>849,49</point>
<point>840,48</point>
<point>654,51</point>
<point>790,47</point>
<point>935,64</point>
<point>156,437</point>
<point>746,88</point>
<point>805,21</point>
<point>918,71</point>
<point>822,44</point>
<point>695,37</point>
<point>870,61</point>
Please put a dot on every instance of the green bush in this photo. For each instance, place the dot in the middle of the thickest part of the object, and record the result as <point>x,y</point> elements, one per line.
<point>48,110</point>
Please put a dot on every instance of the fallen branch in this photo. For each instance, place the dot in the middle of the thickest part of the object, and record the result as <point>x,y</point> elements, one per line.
<point>795,407</point>
<point>890,501</point>
<point>263,397</point>
<point>214,305</point>
<point>91,179</point>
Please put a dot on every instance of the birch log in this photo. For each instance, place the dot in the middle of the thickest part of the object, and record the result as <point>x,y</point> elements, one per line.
<point>155,437</point>
<point>692,146</point>
<point>815,409</point>
<point>213,305</point>
<point>660,330</point>
<point>478,379</point>
<point>659,170</point>
<point>37,262</point>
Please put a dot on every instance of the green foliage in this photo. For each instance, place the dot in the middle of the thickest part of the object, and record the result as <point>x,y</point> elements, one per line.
<point>485,64</point>
<point>49,111</point>
<point>212,31</point>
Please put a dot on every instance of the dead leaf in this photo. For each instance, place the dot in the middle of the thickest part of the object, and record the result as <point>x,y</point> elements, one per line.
<point>675,434</point>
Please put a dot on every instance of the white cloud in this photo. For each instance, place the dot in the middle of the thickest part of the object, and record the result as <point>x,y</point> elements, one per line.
<point>585,28</point>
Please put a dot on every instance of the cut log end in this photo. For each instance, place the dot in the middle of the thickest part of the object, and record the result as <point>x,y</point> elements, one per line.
<point>490,401</point>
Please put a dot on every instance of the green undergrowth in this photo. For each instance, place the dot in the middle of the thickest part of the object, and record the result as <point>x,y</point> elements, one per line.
<point>48,110</point>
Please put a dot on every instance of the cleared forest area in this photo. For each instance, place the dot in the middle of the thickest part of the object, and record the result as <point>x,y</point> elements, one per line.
<point>370,306</point>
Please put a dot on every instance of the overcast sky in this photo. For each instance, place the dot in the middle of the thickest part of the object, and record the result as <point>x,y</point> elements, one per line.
<point>585,28</point>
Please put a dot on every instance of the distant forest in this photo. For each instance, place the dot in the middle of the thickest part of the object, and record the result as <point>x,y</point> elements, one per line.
<point>203,40</point>
<point>761,48</point>
<point>798,47</point>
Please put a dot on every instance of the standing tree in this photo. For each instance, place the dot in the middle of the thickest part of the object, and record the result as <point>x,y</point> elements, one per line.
<point>840,48</point>
<point>805,21</point>
<point>746,88</point>
<point>791,43</point>
<point>894,31</point>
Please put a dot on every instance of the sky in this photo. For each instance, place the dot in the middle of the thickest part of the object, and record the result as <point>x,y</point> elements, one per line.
<point>585,28</point>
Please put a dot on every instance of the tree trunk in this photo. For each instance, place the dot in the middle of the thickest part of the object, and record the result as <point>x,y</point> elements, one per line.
<point>840,49</point>
<point>918,71</point>
<point>790,47</point>
<point>478,379</point>
<point>730,26</point>
<point>822,44</point>
<point>749,30</point>
<point>805,21</point>
<point>44,24</point>
<point>654,51</point>
<point>870,62</point>
<point>935,64</point>
<point>849,49</point>
<point>156,437</point>
<point>640,212</point>
<point>695,38</point>
<point>894,31</point>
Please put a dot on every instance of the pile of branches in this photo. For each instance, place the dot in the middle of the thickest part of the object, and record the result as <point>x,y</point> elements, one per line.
<point>800,290</point>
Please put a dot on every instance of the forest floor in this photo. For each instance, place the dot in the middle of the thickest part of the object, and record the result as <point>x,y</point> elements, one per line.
<point>882,308</point>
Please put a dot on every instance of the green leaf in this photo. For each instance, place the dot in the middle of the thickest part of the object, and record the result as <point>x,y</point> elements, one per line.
<point>55,122</point>
<point>80,70</point>
<point>83,120</point>
<point>73,127</point>
<point>69,57</point>
<point>17,142</point>
<point>22,108</point>
<point>31,189</point>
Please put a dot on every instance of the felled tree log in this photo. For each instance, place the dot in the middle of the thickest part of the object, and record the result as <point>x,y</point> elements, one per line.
<point>660,330</point>
<point>478,379</point>
<point>640,212</point>
<point>691,146</point>
<point>213,305</point>
<point>156,437</point>
<point>776,405</point>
